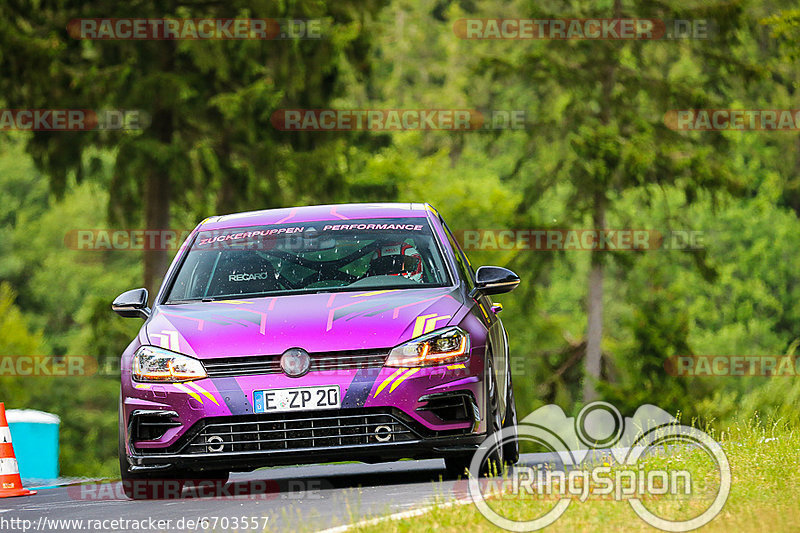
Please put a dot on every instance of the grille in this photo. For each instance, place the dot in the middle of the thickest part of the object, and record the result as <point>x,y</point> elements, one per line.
<point>270,364</point>
<point>291,431</point>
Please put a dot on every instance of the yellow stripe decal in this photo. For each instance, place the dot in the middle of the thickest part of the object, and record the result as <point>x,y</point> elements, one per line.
<point>419,325</point>
<point>141,386</point>
<point>403,378</point>
<point>373,293</point>
<point>187,390</point>
<point>202,391</point>
<point>453,367</point>
<point>388,380</point>
<point>430,325</point>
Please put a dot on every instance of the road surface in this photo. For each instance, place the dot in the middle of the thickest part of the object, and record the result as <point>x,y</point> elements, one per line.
<point>300,498</point>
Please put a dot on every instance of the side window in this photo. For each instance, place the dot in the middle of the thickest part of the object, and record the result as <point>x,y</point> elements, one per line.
<point>464,269</point>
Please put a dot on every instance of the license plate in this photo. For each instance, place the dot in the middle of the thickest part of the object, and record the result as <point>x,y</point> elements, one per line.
<point>296,399</point>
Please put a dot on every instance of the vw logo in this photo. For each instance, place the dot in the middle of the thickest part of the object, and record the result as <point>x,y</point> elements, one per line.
<point>295,362</point>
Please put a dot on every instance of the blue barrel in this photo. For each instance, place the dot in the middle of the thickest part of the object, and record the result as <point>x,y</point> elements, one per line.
<point>35,438</point>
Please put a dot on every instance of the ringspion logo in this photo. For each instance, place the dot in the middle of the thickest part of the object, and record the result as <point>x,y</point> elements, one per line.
<point>573,476</point>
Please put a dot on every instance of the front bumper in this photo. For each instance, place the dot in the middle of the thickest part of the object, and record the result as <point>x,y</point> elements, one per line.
<point>195,453</point>
<point>210,425</point>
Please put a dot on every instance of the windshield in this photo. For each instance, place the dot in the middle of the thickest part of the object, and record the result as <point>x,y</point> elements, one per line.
<point>322,256</point>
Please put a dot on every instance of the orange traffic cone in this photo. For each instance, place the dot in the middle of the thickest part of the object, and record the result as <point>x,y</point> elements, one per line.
<point>10,482</point>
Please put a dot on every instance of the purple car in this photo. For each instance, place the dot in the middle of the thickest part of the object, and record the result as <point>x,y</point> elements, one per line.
<point>313,334</point>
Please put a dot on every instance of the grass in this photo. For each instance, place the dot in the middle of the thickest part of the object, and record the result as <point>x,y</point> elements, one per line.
<point>765,465</point>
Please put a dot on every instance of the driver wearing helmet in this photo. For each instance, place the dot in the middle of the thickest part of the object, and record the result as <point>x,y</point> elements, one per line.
<point>399,259</point>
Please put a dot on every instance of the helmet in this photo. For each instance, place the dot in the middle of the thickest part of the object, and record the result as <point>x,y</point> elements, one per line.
<point>397,260</point>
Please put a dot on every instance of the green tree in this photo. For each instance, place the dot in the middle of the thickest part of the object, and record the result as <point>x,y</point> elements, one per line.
<point>210,146</point>
<point>16,339</point>
<point>600,106</point>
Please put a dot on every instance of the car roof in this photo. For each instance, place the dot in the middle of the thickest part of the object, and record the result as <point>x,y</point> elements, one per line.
<point>317,213</point>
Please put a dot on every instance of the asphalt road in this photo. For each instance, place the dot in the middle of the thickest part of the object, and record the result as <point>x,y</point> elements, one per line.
<point>295,498</point>
<point>300,498</point>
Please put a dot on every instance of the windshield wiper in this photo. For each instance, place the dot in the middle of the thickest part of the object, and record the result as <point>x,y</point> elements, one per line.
<point>189,300</point>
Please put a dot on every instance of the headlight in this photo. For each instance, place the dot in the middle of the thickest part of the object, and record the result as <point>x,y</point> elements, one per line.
<point>157,364</point>
<point>448,345</point>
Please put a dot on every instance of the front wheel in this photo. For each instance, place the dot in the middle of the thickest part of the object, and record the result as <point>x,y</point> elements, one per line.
<point>457,466</point>
<point>494,463</point>
<point>511,445</point>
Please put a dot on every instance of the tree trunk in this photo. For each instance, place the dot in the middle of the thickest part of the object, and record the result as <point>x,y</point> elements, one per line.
<point>157,188</point>
<point>156,197</point>
<point>230,186</point>
<point>594,330</point>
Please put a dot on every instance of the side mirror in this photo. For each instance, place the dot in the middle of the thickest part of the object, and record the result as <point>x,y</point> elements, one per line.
<point>495,280</point>
<point>132,304</point>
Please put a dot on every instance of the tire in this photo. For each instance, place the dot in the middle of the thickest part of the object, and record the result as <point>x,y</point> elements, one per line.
<point>511,446</point>
<point>457,466</point>
<point>494,463</point>
<point>166,484</point>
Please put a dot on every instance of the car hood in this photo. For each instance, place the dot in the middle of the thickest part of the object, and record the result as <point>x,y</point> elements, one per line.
<point>321,322</point>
